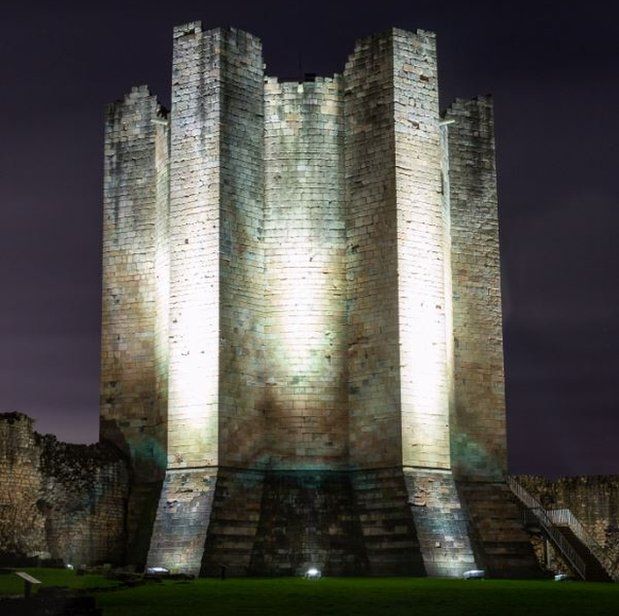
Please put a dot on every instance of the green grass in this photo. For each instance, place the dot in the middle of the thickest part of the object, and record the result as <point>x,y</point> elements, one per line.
<point>341,597</point>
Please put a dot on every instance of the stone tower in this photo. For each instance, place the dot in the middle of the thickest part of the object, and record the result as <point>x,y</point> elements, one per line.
<point>302,339</point>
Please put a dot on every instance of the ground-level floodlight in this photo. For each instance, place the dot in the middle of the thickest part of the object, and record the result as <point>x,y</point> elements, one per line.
<point>69,566</point>
<point>313,574</point>
<point>157,571</point>
<point>562,577</point>
<point>474,574</point>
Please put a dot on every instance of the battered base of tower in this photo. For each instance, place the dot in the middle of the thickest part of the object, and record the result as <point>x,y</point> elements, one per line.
<point>501,544</point>
<point>182,520</point>
<point>394,521</point>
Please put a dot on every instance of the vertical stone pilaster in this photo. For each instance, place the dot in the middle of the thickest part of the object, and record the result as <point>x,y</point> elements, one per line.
<point>241,251</point>
<point>371,226</point>
<point>424,386</point>
<point>478,434</point>
<point>135,197</point>
<point>194,229</point>
<point>216,273</point>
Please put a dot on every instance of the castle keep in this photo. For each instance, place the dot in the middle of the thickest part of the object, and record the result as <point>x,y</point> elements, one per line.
<point>302,338</point>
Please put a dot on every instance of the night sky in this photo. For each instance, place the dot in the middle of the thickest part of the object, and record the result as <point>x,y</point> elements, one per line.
<point>553,68</point>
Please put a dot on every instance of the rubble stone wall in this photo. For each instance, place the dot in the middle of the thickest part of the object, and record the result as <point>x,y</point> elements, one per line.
<point>594,500</point>
<point>59,500</point>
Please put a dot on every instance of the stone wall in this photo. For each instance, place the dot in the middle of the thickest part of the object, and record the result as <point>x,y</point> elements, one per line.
<point>398,349</point>
<point>241,251</point>
<point>194,240</point>
<point>59,500</point>
<point>319,235</point>
<point>305,245</point>
<point>424,386</point>
<point>593,500</point>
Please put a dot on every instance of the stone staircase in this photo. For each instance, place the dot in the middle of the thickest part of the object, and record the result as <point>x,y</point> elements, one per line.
<point>391,543</point>
<point>502,545</point>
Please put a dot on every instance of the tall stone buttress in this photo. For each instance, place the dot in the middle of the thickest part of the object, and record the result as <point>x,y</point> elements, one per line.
<point>302,351</point>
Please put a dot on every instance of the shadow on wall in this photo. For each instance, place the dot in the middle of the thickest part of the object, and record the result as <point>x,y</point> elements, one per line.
<point>146,473</point>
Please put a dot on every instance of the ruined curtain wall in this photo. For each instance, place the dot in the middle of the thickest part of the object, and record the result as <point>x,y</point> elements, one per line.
<point>594,500</point>
<point>60,501</point>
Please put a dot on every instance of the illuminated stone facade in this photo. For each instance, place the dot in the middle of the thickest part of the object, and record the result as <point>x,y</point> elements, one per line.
<point>302,338</point>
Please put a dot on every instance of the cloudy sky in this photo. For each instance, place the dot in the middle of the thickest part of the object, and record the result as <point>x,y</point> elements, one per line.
<point>553,68</point>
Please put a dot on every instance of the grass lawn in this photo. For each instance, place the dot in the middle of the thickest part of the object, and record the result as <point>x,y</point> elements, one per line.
<point>339,596</point>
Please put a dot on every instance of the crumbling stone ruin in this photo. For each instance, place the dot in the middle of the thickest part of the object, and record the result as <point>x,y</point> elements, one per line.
<point>59,501</point>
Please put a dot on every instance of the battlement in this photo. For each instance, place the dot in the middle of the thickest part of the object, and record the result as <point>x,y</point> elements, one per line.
<point>192,27</point>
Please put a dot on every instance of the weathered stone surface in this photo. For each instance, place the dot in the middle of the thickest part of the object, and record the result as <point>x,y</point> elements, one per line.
<point>500,542</point>
<point>308,520</point>
<point>305,287</point>
<point>441,521</point>
<point>61,501</point>
<point>135,293</point>
<point>477,420</point>
<point>371,268</point>
<point>183,516</point>
<point>594,500</point>
<point>389,533</point>
<point>315,319</point>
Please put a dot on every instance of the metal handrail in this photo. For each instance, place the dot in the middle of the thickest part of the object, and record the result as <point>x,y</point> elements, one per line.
<point>565,517</point>
<point>555,536</point>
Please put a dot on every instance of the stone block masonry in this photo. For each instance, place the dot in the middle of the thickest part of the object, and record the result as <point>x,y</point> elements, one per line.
<point>305,244</point>
<point>134,311</point>
<point>302,308</point>
<point>371,267</point>
<point>477,419</point>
